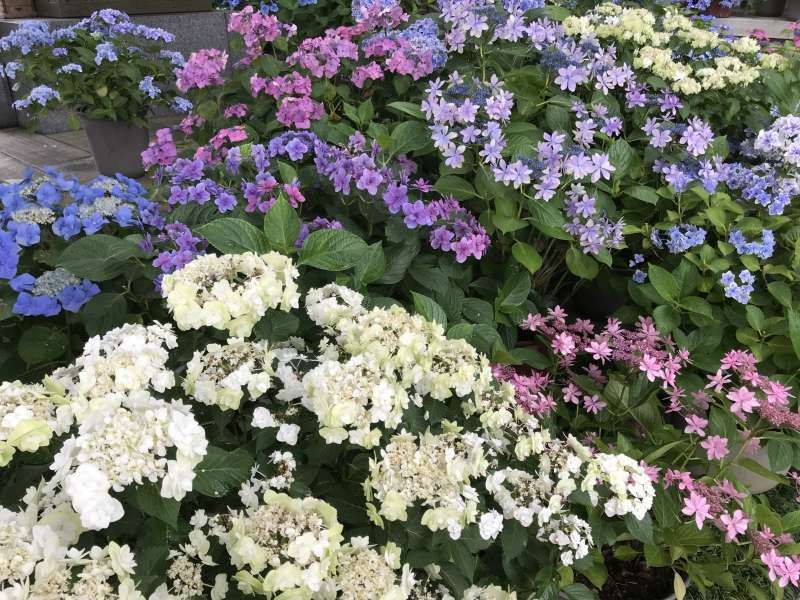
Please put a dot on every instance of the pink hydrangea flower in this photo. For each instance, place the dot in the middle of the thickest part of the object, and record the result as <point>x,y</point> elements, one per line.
<point>697,506</point>
<point>696,424</point>
<point>716,447</point>
<point>735,524</point>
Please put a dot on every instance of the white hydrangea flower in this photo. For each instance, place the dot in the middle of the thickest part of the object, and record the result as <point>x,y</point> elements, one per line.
<point>126,359</point>
<point>219,375</point>
<point>29,417</point>
<point>490,525</point>
<point>230,292</point>
<point>435,471</point>
<point>285,544</point>
<point>88,488</point>
<point>329,305</point>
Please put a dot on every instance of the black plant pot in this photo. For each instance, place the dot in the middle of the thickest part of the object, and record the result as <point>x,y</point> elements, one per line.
<point>117,146</point>
<point>770,8</point>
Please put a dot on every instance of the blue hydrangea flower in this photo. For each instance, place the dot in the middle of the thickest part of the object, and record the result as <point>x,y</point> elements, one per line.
<point>9,255</point>
<point>763,249</point>
<point>50,293</point>
<point>148,87</point>
<point>738,291</point>
<point>41,94</point>
<point>105,51</point>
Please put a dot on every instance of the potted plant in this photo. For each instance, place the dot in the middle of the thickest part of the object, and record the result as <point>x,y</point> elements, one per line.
<point>107,70</point>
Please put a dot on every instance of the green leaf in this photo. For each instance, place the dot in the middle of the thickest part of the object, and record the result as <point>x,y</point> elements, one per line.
<point>104,312</point>
<point>527,256</point>
<point>234,236</point>
<point>147,499</point>
<point>98,257</point>
<point>221,471</point>
<point>557,117</point>
<point>781,455</point>
<point>580,264</point>
<point>41,344</point>
<point>371,266</point>
<point>664,282</point>
<point>696,305</point>
<point>478,311</point>
<point>687,534</point>
<point>398,259</point>
<point>332,250</point>
<point>643,193</point>
<point>453,185</point>
<point>429,308</point>
<point>515,290</point>
<point>513,539</point>
<point>578,591</point>
<point>465,560</point>
<point>642,529</point>
<point>407,108</point>
<point>288,172</point>
<point>282,226</point>
<point>794,330</point>
<point>781,292</point>
<point>667,318</point>
<point>622,156</point>
<point>409,136</point>
<point>365,111</point>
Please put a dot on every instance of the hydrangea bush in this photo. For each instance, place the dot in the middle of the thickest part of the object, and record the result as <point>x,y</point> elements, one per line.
<point>448,300</point>
<point>102,67</point>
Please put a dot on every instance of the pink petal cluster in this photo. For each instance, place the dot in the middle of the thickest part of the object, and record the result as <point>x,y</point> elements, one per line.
<point>203,69</point>
<point>257,29</point>
<point>162,151</point>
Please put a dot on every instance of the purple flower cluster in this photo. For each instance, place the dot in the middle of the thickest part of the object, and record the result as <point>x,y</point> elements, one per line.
<point>190,185</point>
<point>183,247</point>
<point>465,19</point>
<point>355,169</point>
<point>594,231</point>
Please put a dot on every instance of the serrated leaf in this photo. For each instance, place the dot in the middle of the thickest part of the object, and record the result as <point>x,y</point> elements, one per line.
<point>515,290</point>
<point>234,236</point>
<point>332,250</point>
<point>282,226</point>
<point>371,266</point>
<point>221,472</point>
<point>409,136</point>
<point>98,257</point>
<point>580,264</point>
<point>104,312</point>
<point>148,499</point>
<point>429,308</point>
<point>453,185</point>
<point>513,539</point>
<point>664,282</point>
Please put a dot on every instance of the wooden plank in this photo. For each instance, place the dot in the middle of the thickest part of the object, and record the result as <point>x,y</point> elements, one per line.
<point>11,168</point>
<point>38,150</point>
<point>77,139</point>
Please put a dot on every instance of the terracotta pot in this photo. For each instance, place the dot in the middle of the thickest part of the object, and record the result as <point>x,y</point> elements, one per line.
<point>770,8</point>
<point>117,146</point>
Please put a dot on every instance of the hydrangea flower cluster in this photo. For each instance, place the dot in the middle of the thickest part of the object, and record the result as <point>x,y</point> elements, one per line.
<point>738,290</point>
<point>123,430</point>
<point>219,375</point>
<point>230,292</point>
<point>738,387</point>
<point>29,418</point>
<point>641,349</point>
<point>76,66</point>
<point>40,206</point>
<point>471,20</point>
<point>41,556</point>
<point>702,60</point>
